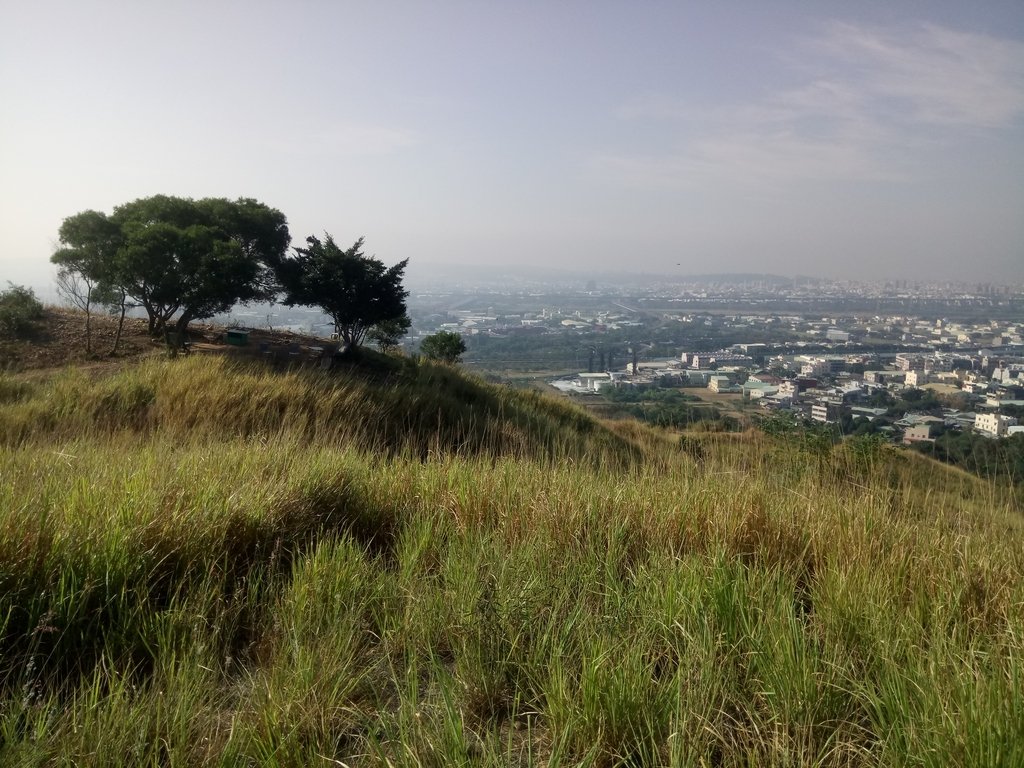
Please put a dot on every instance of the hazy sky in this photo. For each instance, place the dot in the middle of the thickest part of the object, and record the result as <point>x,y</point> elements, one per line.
<point>875,140</point>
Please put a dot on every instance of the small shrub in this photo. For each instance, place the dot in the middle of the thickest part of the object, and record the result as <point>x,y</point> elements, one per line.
<point>19,308</point>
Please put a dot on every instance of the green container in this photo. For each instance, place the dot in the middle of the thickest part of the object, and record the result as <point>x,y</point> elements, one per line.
<point>237,338</point>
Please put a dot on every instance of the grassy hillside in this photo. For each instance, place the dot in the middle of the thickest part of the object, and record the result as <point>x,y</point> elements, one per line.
<point>208,564</point>
<point>377,404</point>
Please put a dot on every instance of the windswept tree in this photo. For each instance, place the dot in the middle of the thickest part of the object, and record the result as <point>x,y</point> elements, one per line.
<point>180,259</point>
<point>357,291</point>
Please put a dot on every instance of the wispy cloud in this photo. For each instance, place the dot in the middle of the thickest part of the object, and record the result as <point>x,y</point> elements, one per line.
<point>863,103</point>
<point>932,75</point>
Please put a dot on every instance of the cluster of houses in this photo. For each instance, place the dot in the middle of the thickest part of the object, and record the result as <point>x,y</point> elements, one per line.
<point>836,388</point>
<point>543,321</point>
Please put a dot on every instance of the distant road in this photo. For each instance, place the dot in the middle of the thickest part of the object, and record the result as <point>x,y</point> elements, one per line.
<point>628,309</point>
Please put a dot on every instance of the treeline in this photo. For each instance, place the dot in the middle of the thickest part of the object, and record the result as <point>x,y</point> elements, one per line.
<point>181,260</point>
<point>997,459</point>
<point>668,408</point>
<point>993,458</point>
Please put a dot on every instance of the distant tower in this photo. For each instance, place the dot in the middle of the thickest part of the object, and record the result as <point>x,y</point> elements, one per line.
<point>633,350</point>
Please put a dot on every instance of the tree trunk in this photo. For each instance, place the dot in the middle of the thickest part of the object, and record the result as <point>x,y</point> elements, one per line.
<point>120,324</point>
<point>175,335</point>
<point>182,325</point>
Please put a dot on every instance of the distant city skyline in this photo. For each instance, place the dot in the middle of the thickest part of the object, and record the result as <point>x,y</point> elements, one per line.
<point>874,141</point>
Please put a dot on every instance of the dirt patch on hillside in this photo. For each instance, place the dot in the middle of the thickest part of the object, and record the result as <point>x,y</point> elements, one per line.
<point>59,339</point>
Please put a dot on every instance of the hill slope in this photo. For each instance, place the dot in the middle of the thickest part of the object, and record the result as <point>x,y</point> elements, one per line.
<point>377,403</point>
<point>208,564</point>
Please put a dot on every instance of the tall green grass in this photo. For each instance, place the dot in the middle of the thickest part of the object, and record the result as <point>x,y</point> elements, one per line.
<point>415,408</point>
<point>174,592</point>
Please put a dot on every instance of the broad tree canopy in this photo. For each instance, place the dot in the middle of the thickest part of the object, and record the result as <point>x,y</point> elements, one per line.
<point>90,241</point>
<point>179,257</point>
<point>445,346</point>
<point>357,291</point>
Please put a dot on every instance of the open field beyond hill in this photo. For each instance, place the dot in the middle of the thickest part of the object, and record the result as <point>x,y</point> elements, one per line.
<point>210,563</point>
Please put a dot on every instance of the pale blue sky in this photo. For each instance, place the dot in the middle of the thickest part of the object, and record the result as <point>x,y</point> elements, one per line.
<point>875,140</point>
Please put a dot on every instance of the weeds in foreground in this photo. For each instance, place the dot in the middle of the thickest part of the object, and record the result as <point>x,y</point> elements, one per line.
<point>288,598</point>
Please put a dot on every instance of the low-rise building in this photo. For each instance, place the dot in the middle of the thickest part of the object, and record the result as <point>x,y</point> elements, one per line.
<point>993,424</point>
<point>884,377</point>
<point>826,411</point>
<point>755,390</point>
<point>720,359</point>
<point>722,384</point>
<point>594,381</point>
<point>908,362</point>
<point>919,433</point>
<point>915,378</point>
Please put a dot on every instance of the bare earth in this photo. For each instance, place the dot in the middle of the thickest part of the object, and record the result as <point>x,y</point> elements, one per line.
<point>59,339</point>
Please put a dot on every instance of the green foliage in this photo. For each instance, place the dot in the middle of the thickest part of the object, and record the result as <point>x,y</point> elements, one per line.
<point>1000,459</point>
<point>393,406</point>
<point>866,451</point>
<point>19,310</point>
<point>357,291</point>
<point>275,590</point>
<point>663,407</point>
<point>917,401</point>
<point>811,440</point>
<point>387,334</point>
<point>1017,411</point>
<point>444,346</point>
<point>647,394</point>
<point>89,247</point>
<point>177,256</point>
<point>781,423</point>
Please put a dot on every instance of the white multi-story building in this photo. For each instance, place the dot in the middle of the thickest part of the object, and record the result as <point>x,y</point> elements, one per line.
<point>993,424</point>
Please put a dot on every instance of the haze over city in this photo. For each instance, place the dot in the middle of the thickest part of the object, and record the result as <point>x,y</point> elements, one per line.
<point>877,141</point>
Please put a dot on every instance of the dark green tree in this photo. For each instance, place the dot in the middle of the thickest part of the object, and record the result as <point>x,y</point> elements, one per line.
<point>19,310</point>
<point>445,346</point>
<point>357,291</point>
<point>261,233</point>
<point>387,335</point>
<point>189,273</point>
<point>178,258</point>
<point>87,263</point>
